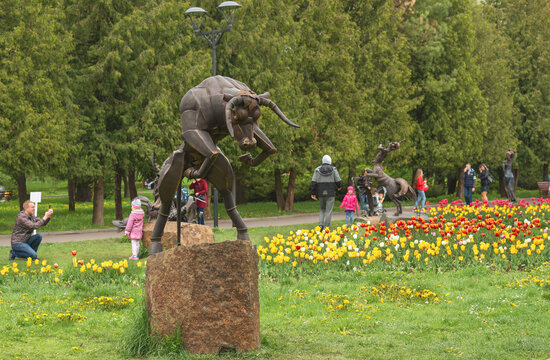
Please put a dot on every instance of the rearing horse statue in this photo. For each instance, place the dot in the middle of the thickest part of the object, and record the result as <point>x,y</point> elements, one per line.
<point>395,188</point>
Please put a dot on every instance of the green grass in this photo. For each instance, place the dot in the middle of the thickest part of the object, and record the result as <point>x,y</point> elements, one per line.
<point>478,315</point>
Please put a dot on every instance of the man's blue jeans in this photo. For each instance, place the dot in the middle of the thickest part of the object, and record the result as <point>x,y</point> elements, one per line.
<point>28,249</point>
<point>364,202</point>
<point>200,216</point>
<point>468,195</point>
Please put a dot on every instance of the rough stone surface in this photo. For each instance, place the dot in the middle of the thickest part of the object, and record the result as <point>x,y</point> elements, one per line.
<point>190,234</point>
<point>207,291</point>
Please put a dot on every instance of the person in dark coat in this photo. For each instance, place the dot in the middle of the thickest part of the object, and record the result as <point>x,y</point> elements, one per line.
<point>469,176</point>
<point>484,178</point>
<point>323,186</point>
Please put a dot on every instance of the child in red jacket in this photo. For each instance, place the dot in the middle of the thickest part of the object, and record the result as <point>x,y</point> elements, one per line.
<point>349,204</point>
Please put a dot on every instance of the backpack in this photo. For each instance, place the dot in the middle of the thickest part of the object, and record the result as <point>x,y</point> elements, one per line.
<point>490,178</point>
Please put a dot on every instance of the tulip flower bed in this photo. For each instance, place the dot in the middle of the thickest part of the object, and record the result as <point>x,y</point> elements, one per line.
<point>454,236</point>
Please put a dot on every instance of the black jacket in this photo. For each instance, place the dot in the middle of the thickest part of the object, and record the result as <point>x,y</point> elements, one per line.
<point>325,181</point>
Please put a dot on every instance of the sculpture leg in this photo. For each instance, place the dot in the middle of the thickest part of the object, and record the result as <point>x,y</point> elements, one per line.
<point>169,178</point>
<point>397,203</point>
<point>221,176</point>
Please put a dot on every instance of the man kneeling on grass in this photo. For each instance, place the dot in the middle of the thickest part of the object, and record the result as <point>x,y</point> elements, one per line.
<point>23,245</point>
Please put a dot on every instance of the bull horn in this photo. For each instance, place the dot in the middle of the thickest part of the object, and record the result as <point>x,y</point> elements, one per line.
<point>276,110</point>
<point>265,95</point>
<point>228,109</point>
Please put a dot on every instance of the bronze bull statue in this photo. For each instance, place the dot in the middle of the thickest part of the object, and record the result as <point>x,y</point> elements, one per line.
<point>217,107</point>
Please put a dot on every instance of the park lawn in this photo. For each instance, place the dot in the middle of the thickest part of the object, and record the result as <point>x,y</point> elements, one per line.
<point>478,315</point>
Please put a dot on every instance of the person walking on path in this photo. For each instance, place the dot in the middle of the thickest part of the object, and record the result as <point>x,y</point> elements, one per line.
<point>469,176</point>
<point>484,177</point>
<point>200,187</point>
<point>349,204</point>
<point>323,186</point>
<point>421,187</point>
<point>23,245</point>
<point>134,227</point>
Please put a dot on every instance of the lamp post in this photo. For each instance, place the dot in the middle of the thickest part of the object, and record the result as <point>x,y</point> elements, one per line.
<point>228,9</point>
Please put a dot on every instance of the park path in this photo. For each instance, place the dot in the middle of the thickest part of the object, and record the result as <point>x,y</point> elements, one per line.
<point>283,220</point>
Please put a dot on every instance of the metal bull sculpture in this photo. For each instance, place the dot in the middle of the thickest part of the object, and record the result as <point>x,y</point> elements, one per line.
<point>217,107</point>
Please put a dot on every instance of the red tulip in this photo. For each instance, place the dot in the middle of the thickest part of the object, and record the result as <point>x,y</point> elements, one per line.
<point>74,253</point>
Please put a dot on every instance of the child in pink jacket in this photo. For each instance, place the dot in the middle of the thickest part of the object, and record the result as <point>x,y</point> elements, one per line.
<point>134,227</point>
<point>349,204</point>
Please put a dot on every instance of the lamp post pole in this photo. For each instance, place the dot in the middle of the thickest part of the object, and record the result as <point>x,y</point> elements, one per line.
<point>228,9</point>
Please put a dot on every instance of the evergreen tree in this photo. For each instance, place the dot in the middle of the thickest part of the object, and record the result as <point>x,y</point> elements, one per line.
<point>452,113</point>
<point>527,25</point>
<point>35,103</point>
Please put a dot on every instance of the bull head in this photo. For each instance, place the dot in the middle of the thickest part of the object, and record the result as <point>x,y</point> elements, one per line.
<point>241,116</point>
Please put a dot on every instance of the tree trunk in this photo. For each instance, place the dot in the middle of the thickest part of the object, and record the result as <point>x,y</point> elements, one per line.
<point>279,190</point>
<point>451,184</point>
<point>351,173</point>
<point>22,189</point>
<point>83,191</point>
<point>118,195</point>
<point>460,186</point>
<point>545,172</point>
<point>71,185</point>
<point>240,191</point>
<point>516,177</point>
<point>126,185</point>
<point>502,183</point>
<point>99,197</point>
<point>289,203</point>
<point>132,183</point>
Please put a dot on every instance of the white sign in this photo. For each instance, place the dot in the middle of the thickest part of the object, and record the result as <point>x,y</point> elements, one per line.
<point>36,197</point>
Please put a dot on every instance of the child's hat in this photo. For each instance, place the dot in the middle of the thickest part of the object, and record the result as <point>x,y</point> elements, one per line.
<point>136,202</point>
<point>350,187</point>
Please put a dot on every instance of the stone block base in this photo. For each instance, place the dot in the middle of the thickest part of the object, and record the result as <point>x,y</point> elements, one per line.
<point>190,234</point>
<point>209,292</point>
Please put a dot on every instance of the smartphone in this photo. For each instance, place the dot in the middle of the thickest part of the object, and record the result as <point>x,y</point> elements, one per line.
<point>50,207</point>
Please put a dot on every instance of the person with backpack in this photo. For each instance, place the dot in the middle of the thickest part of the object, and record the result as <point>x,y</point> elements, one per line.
<point>486,180</point>
<point>324,183</point>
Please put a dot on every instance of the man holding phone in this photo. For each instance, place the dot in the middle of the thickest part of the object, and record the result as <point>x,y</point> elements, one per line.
<point>23,243</point>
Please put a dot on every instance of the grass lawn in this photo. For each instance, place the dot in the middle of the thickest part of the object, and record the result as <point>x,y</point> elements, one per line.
<point>328,313</point>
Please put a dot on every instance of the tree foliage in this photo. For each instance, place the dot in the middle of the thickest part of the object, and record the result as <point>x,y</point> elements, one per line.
<point>90,88</point>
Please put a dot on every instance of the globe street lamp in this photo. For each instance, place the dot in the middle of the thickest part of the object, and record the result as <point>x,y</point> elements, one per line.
<point>228,9</point>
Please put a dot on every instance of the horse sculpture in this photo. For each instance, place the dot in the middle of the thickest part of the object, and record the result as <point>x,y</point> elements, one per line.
<point>217,107</point>
<point>395,188</point>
